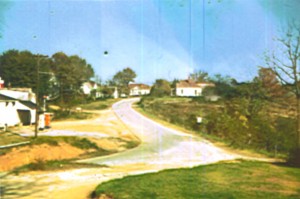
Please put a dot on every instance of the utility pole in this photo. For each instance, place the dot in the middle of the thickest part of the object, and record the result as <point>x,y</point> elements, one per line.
<point>39,58</point>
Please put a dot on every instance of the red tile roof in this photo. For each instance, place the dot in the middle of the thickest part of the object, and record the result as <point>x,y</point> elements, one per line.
<point>140,86</point>
<point>192,84</point>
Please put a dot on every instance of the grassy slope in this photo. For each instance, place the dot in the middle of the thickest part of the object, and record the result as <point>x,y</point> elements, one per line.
<point>100,104</point>
<point>223,180</point>
<point>10,138</point>
<point>216,140</point>
<point>92,106</point>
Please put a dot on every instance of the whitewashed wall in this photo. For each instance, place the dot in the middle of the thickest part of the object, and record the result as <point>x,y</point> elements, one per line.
<point>188,92</point>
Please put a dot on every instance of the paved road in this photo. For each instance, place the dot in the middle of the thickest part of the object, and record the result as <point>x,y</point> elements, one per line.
<point>160,148</point>
<point>160,145</point>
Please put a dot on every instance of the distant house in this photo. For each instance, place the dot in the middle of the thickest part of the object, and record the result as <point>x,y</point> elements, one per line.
<point>91,88</point>
<point>138,89</point>
<point>1,83</point>
<point>190,88</point>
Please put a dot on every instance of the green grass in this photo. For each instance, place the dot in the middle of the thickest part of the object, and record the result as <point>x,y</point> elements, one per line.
<point>78,142</point>
<point>73,115</point>
<point>53,165</point>
<point>66,115</point>
<point>99,104</point>
<point>7,138</point>
<point>224,180</point>
<point>82,143</point>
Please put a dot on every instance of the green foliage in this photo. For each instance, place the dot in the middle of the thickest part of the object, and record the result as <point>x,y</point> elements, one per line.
<point>84,143</point>
<point>122,79</point>
<point>224,180</point>
<point>10,138</point>
<point>99,104</point>
<point>242,122</point>
<point>81,143</point>
<point>42,165</point>
<point>225,86</point>
<point>107,91</point>
<point>67,114</point>
<point>45,140</point>
<point>161,88</point>
<point>70,72</point>
<point>19,69</point>
<point>199,76</point>
<point>294,157</point>
<point>60,75</point>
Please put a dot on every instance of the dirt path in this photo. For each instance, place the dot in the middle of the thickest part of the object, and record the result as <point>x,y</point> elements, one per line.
<point>161,148</point>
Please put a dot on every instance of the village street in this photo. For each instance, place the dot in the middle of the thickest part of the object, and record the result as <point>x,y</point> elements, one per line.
<point>160,148</point>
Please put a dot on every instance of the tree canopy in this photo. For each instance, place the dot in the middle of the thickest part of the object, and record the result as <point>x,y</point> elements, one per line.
<point>59,72</point>
<point>122,79</point>
<point>161,88</point>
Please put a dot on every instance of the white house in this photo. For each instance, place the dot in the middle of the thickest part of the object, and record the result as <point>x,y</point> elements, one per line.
<point>1,83</point>
<point>138,89</point>
<point>115,93</point>
<point>8,113</point>
<point>88,87</point>
<point>190,88</point>
<point>14,111</point>
<point>25,94</point>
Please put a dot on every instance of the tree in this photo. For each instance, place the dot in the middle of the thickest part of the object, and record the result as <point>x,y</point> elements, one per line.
<point>199,76</point>
<point>269,82</point>
<point>70,72</point>
<point>122,79</point>
<point>225,86</point>
<point>285,63</point>
<point>161,88</point>
<point>19,69</point>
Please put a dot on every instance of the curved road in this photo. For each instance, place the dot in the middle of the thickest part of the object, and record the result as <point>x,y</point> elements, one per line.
<point>160,148</point>
<point>160,145</point>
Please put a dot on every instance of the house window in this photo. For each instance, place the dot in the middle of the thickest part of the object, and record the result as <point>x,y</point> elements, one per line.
<point>196,93</point>
<point>181,91</point>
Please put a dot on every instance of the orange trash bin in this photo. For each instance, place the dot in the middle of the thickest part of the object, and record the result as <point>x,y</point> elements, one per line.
<point>47,120</point>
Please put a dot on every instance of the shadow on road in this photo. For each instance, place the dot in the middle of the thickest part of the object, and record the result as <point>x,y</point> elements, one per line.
<point>11,189</point>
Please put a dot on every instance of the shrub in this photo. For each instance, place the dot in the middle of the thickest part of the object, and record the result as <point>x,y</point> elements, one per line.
<point>294,157</point>
<point>161,88</point>
<point>84,144</point>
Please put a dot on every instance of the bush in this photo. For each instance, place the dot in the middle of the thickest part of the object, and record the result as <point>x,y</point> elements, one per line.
<point>294,157</point>
<point>84,144</point>
<point>161,88</point>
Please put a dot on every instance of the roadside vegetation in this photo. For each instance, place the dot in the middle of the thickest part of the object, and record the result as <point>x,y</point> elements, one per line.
<point>258,115</point>
<point>227,122</point>
<point>8,138</point>
<point>241,179</point>
<point>85,109</point>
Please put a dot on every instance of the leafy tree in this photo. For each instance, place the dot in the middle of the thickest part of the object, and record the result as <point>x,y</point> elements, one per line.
<point>225,86</point>
<point>285,63</point>
<point>20,69</point>
<point>161,88</point>
<point>199,76</point>
<point>70,72</point>
<point>122,79</point>
<point>107,91</point>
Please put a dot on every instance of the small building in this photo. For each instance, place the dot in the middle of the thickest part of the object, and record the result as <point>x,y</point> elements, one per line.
<point>1,83</point>
<point>115,93</point>
<point>8,113</point>
<point>139,89</point>
<point>14,111</point>
<point>91,88</point>
<point>24,94</point>
<point>190,88</point>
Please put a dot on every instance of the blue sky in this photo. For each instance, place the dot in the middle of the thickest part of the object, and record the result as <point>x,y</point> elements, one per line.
<point>156,38</point>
